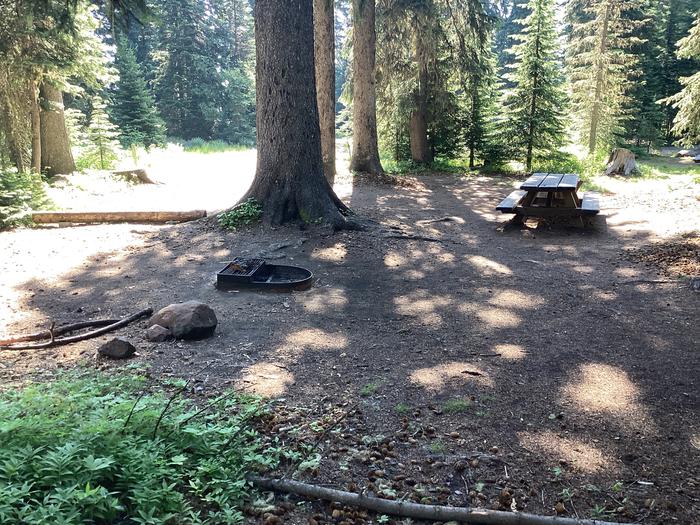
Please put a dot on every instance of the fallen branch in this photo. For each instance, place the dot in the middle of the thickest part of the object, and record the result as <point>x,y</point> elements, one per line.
<point>82,337</point>
<point>416,510</point>
<point>38,336</point>
<point>458,220</point>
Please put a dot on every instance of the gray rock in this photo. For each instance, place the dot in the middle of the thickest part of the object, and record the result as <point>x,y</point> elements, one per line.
<point>117,349</point>
<point>695,283</point>
<point>190,320</point>
<point>158,334</point>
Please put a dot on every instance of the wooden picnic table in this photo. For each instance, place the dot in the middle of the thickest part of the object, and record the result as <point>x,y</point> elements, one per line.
<point>550,195</point>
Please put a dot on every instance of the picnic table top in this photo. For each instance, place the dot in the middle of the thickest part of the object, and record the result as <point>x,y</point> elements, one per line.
<point>551,182</point>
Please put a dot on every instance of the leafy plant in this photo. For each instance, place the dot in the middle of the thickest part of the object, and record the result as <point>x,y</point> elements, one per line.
<point>19,194</point>
<point>96,449</point>
<point>402,408</point>
<point>244,214</point>
<point>369,389</point>
<point>437,447</point>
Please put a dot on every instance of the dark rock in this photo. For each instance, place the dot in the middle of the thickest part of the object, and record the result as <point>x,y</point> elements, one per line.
<point>190,320</point>
<point>117,349</point>
<point>695,283</point>
<point>158,334</point>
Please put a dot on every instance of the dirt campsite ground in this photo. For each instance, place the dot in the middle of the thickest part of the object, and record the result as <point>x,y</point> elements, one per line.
<point>549,370</point>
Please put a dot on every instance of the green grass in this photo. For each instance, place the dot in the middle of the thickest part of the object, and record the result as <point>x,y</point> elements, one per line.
<point>90,449</point>
<point>198,145</point>
<point>659,167</point>
<point>369,389</point>
<point>440,165</point>
<point>437,447</point>
<point>456,406</point>
<point>402,409</point>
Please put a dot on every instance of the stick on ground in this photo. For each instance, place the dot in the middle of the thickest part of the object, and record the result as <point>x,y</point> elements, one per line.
<point>82,337</point>
<point>38,336</point>
<point>416,510</point>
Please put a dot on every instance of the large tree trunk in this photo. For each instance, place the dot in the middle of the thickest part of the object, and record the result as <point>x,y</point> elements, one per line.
<point>56,156</point>
<point>36,128</point>
<point>289,181</point>
<point>365,149</point>
<point>418,126</point>
<point>324,51</point>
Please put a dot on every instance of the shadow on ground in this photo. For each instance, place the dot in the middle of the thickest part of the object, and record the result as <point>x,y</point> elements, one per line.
<point>576,368</point>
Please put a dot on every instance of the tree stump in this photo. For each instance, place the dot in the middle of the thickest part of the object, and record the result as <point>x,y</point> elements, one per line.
<point>136,175</point>
<point>621,162</point>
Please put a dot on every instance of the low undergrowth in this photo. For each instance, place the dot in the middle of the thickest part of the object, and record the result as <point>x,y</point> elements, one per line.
<point>96,449</point>
<point>246,213</point>
<point>19,194</point>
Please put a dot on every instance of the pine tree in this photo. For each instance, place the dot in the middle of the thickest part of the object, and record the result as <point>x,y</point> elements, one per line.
<point>601,64</point>
<point>643,127</point>
<point>510,13</point>
<point>686,125</point>
<point>133,108</point>
<point>674,21</point>
<point>535,124</point>
<point>189,87</point>
<point>102,137</point>
<point>480,95</point>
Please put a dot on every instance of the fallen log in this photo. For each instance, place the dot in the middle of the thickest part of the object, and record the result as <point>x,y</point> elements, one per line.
<point>415,510</point>
<point>54,341</point>
<point>47,217</point>
<point>46,334</point>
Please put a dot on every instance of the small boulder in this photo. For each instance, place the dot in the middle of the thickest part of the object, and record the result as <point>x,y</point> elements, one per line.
<point>117,349</point>
<point>695,283</point>
<point>158,334</point>
<point>190,320</point>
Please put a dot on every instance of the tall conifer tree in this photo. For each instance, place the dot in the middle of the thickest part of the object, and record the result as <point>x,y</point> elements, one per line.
<point>687,122</point>
<point>601,62</point>
<point>535,124</point>
<point>133,108</point>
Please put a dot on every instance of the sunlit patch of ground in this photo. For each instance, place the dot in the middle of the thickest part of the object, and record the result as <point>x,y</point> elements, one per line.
<point>56,255</point>
<point>607,390</point>
<point>510,352</point>
<point>487,266</point>
<point>437,378</point>
<point>335,253</point>
<point>423,306</point>
<point>266,379</point>
<point>320,300</point>
<point>579,455</point>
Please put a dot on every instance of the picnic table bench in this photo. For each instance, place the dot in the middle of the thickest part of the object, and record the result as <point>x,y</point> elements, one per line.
<point>550,195</point>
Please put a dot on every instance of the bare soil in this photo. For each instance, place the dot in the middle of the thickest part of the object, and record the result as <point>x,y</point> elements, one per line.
<point>539,369</point>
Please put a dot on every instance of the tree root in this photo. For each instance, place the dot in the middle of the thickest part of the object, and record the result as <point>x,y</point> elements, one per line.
<point>416,510</point>
<point>113,325</point>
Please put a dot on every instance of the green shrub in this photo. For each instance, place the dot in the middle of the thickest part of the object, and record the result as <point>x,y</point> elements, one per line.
<point>246,213</point>
<point>19,194</point>
<point>84,449</point>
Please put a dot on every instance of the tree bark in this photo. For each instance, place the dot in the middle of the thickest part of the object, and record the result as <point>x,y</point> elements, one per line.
<point>56,156</point>
<point>324,51</point>
<point>36,128</point>
<point>289,181</point>
<point>418,125</point>
<point>365,148</point>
